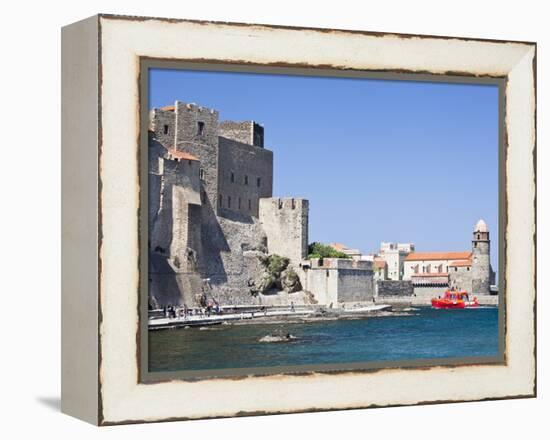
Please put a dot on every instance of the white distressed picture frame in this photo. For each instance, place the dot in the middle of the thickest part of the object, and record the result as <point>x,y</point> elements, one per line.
<point>101,193</point>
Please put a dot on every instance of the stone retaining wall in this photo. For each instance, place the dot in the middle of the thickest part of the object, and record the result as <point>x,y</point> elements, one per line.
<point>393,288</point>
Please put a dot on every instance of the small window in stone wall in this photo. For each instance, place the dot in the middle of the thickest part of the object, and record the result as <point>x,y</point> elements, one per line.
<point>229,201</point>
<point>239,203</point>
<point>200,128</point>
<point>166,129</point>
<point>259,182</point>
<point>201,174</point>
<point>232,177</point>
<point>246,180</point>
<point>249,205</point>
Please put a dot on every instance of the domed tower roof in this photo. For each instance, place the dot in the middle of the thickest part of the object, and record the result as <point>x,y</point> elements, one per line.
<point>481,226</point>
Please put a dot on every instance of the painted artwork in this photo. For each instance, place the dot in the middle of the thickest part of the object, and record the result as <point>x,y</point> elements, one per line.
<point>304,223</point>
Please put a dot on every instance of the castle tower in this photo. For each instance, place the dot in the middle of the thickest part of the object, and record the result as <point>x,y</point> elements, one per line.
<point>196,132</point>
<point>481,264</point>
<point>285,222</point>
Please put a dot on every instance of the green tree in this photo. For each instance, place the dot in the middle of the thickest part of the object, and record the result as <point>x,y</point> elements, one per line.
<point>320,250</point>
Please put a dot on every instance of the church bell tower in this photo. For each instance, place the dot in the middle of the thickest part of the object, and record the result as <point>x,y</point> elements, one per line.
<point>481,264</point>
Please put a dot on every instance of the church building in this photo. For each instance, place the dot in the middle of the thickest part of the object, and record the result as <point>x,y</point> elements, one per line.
<point>470,270</point>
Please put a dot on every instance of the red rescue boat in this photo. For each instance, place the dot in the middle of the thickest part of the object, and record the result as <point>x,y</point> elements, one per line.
<point>454,300</point>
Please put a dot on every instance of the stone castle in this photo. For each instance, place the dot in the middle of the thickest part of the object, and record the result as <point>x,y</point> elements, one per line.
<point>214,225</point>
<point>213,219</point>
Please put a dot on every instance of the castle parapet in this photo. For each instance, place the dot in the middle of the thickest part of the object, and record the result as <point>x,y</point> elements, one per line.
<point>246,132</point>
<point>340,263</point>
<point>338,281</point>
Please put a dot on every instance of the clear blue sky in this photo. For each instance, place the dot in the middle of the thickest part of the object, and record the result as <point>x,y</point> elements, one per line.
<point>378,160</point>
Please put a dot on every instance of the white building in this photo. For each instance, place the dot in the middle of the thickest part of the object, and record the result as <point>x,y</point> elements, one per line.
<point>394,255</point>
<point>380,269</point>
<point>422,263</point>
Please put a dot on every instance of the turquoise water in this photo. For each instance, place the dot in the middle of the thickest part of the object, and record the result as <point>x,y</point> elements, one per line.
<point>425,333</point>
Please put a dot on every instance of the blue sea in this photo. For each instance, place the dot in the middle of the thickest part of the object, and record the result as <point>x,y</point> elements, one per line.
<point>423,333</point>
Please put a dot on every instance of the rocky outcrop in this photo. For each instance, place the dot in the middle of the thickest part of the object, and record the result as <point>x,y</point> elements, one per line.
<point>290,281</point>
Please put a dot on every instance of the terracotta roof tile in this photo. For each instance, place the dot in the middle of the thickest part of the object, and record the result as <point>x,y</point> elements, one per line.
<point>430,275</point>
<point>182,155</point>
<point>168,108</point>
<point>424,256</point>
<point>338,246</point>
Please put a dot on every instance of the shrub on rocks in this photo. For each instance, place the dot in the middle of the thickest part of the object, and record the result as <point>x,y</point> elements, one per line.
<point>274,265</point>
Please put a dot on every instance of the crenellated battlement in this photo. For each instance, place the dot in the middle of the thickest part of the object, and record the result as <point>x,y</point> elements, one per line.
<point>246,132</point>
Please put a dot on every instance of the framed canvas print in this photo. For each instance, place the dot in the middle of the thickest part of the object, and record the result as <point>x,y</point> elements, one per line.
<point>264,219</point>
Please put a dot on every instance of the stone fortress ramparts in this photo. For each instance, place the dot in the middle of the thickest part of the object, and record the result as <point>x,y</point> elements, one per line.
<point>213,220</point>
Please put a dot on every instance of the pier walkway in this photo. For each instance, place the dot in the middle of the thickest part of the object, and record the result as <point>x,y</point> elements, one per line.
<point>159,323</point>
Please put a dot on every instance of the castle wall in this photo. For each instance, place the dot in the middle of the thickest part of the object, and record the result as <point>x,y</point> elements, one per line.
<point>393,288</point>
<point>185,246</point>
<point>238,131</point>
<point>155,164</point>
<point>338,281</point>
<point>245,175</point>
<point>232,259</point>
<point>323,284</point>
<point>246,132</point>
<point>285,222</point>
<point>174,233</point>
<point>156,156</point>
<point>355,285</point>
